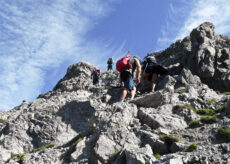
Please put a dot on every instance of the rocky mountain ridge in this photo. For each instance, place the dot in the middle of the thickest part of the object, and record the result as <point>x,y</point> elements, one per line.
<point>181,123</point>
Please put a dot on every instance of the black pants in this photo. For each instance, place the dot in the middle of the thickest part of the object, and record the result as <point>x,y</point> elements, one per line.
<point>110,67</point>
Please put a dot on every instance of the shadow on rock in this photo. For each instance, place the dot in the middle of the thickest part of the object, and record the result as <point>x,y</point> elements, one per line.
<point>76,114</point>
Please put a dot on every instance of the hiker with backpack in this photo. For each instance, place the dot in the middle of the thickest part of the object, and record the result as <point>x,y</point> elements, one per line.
<point>110,64</point>
<point>151,70</point>
<point>95,75</point>
<point>127,66</point>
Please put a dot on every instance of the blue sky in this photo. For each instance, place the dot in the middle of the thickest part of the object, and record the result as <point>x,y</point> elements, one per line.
<point>40,39</point>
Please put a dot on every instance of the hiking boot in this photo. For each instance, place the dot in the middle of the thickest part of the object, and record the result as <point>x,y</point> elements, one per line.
<point>129,99</point>
<point>121,100</point>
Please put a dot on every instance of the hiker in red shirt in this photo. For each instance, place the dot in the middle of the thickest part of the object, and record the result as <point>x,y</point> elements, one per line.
<point>95,75</point>
<point>127,66</point>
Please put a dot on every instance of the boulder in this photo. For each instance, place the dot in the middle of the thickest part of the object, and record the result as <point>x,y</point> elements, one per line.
<point>78,76</point>
<point>137,155</point>
<point>156,120</point>
<point>154,99</point>
<point>105,149</point>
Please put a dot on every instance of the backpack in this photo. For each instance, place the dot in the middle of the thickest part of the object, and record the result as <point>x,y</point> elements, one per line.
<point>110,61</point>
<point>96,72</point>
<point>123,63</point>
<point>150,59</point>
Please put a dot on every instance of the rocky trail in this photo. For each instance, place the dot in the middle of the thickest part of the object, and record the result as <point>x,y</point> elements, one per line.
<point>185,121</point>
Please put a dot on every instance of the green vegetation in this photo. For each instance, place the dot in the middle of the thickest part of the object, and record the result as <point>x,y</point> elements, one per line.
<point>157,156</point>
<point>182,91</point>
<point>225,99</point>
<point>224,131</point>
<point>116,153</point>
<point>209,119</point>
<point>44,147</point>
<point>188,106</point>
<point>211,102</point>
<point>192,147</point>
<point>206,111</point>
<point>78,140</point>
<point>168,139</point>
<point>19,157</point>
<point>108,87</point>
<point>227,93</point>
<point>194,123</point>
<point>219,109</point>
<point>3,121</point>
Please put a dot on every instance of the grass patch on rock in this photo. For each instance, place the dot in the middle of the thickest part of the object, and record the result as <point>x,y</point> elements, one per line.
<point>182,91</point>
<point>192,147</point>
<point>157,155</point>
<point>108,87</point>
<point>116,153</point>
<point>168,138</point>
<point>194,123</point>
<point>190,107</point>
<point>206,111</point>
<point>19,157</point>
<point>78,140</point>
<point>227,93</point>
<point>211,102</point>
<point>44,147</point>
<point>219,109</point>
<point>3,121</point>
<point>224,132</point>
<point>209,119</point>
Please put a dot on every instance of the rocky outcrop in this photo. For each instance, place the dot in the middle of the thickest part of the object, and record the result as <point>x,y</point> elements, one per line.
<point>204,53</point>
<point>78,76</point>
<point>78,122</point>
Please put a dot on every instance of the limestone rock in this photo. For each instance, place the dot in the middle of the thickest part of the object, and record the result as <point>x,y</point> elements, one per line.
<point>168,121</point>
<point>47,130</point>
<point>105,148</point>
<point>154,99</point>
<point>139,155</point>
<point>78,76</point>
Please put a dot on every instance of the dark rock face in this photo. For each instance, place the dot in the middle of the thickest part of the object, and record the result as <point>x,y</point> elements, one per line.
<point>78,122</point>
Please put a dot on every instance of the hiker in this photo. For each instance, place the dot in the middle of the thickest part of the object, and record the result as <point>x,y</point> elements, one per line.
<point>126,66</point>
<point>95,75</point>
<point>110,64</point>
<point>151,70</point>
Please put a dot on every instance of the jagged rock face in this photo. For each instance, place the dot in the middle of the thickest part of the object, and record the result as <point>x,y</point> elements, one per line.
<point>78,76</point>
<point>213,61</point>
<point>205,53</point>
<point>108,78</point>
<point>78,122</point>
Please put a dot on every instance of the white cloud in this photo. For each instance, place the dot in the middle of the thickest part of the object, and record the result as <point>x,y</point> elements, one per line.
<point>36,37</point>
<point>191,15</point>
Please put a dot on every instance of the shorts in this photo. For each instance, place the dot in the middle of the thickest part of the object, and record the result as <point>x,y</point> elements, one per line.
<point>128,83</point>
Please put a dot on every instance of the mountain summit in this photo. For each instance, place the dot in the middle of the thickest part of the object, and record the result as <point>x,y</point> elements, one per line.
<point>186,120</point>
